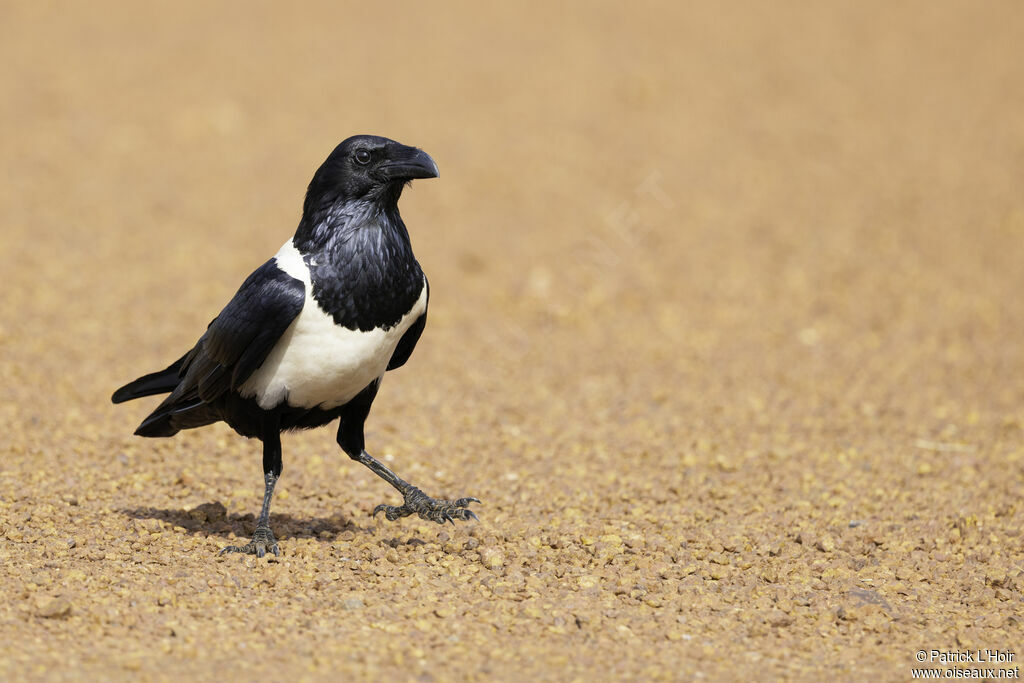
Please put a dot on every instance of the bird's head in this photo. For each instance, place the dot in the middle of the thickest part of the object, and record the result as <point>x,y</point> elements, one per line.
<point>367,169</point>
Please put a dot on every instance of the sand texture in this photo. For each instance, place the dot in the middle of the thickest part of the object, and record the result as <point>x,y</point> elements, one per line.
<point>725,331</point>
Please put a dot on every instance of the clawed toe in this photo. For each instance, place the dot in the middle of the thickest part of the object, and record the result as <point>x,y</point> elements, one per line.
<point>451,515</point>
<point>433,510</point>
<point>391,512</point>
<point>262,542</point>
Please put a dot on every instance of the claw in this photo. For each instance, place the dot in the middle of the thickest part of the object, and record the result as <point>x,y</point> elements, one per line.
<point>390,512</point>
<point>262,541</point>
<point>439,511</point>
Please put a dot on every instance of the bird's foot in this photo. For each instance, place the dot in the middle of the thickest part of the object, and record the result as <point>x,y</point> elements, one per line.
<point>262,542</point>
<point>431,509</point>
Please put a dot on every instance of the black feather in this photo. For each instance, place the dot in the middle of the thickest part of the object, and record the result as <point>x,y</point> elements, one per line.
<point>407,343</point>
<point>154,383</point>
<point>234,346</point>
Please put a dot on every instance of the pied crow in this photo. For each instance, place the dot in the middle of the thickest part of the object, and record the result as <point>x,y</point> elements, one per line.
<point>310,333</point>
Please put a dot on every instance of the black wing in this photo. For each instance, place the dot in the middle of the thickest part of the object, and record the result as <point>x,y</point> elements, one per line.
<point>240,338</point>
<point>412,335</point>
<point>235,344</point>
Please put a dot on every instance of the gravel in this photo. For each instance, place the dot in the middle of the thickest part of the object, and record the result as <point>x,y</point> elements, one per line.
<point>724,332</point>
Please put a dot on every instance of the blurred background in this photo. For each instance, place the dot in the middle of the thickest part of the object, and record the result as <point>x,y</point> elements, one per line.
<point>637,206</point>
<point>698,260</point>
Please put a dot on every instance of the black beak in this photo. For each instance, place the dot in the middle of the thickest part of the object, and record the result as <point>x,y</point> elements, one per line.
<point>407,163</point>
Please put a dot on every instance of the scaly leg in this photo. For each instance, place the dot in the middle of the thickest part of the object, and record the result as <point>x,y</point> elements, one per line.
<point>263,540</point>
<point>350,438</point>
<point>416,501</point>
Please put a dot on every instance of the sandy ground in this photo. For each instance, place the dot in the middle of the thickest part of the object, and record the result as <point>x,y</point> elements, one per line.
<point>725,332</point>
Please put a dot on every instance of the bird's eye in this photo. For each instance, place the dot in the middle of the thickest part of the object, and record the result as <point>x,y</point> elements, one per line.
<point>363,157</point>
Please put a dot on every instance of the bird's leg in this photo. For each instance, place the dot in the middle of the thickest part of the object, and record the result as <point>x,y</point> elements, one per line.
<point>263,540</point>
<point>350,438</point>
<point>417,502</point>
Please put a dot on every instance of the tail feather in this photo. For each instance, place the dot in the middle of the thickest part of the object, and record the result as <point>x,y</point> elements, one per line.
<point>161,421</point>
<point>160,382</point>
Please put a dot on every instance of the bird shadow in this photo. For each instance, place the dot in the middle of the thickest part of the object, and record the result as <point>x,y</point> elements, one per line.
<point>212,520</point>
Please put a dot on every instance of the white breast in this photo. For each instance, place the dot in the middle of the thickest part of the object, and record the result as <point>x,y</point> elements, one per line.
<point>317,363</point>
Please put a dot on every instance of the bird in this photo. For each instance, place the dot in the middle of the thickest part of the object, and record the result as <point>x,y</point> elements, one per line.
<point>310,334</point>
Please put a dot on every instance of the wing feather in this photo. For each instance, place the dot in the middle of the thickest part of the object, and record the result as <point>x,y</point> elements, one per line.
<point>235,344</point>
